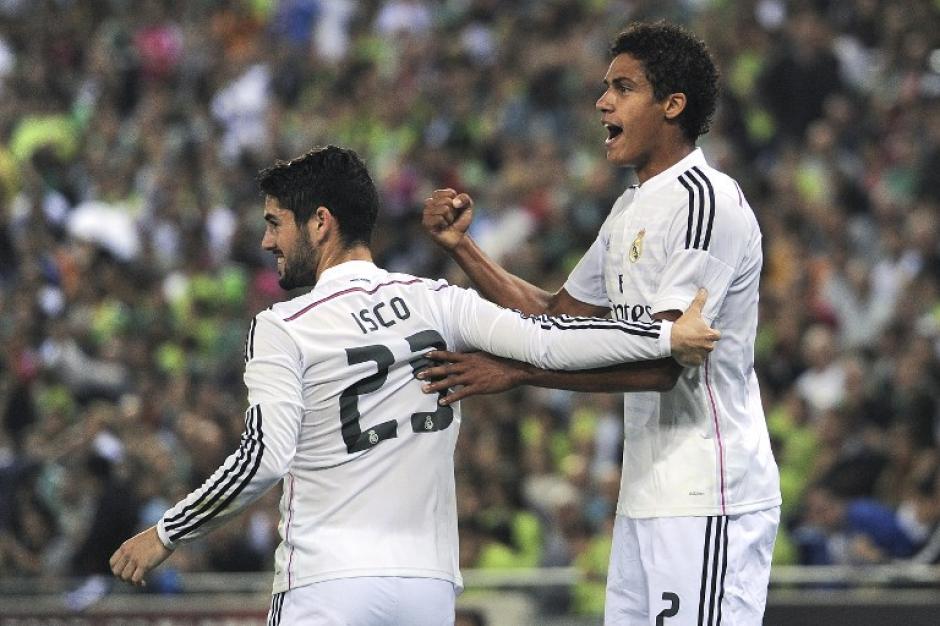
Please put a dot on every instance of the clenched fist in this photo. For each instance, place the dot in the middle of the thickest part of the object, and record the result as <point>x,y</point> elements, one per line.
<point>447,216</point>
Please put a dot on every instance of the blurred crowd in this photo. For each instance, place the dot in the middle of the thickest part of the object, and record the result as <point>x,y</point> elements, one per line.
<point>130,264</point>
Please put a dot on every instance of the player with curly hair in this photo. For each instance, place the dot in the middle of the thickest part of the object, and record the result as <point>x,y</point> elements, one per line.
<point>699,499</point>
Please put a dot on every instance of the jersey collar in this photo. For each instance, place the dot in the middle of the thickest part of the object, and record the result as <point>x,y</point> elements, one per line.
<point>696,157</point>
<point>346,270</point>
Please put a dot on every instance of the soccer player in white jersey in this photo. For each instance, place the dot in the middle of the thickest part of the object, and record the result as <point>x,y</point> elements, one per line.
<point>368,514</point>
<point>699,500</point>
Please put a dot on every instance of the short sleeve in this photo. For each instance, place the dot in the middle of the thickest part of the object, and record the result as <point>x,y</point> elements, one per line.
<point>586,281</point>
<point>695,261</point>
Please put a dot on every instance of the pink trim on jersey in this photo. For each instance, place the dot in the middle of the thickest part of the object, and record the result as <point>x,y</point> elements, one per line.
<point>350,290</point>
<point>721,449</point>
<point>290,516</point>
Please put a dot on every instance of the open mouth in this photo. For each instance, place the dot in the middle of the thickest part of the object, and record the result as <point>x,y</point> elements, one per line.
<point>613,131</point>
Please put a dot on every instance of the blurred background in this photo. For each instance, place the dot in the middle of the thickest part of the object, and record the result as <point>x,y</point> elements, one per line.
<point>130,266</point>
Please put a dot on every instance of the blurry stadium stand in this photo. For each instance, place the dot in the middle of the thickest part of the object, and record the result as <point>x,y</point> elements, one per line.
<point>805,596</point>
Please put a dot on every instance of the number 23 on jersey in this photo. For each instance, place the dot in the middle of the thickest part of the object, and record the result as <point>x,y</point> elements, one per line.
<point>381,355</point>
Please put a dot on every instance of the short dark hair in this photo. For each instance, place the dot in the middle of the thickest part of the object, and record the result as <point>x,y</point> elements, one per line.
<point>675,61</point>
<point>333,177</point>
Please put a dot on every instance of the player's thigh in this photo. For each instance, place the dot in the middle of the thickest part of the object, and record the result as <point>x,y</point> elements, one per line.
<point>425,602</point>
<point>626,602</point>
<point>707,570</point>
<point>750,547</point>
<point>366,601</point>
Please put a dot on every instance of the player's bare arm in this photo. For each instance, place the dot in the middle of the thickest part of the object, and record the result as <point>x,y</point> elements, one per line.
<point>478,373</point>
<point>447,216</point>
<point>137,556</point>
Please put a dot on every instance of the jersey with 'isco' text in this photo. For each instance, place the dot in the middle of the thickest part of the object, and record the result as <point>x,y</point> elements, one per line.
<point>336,413</point>
<point>701,448</point>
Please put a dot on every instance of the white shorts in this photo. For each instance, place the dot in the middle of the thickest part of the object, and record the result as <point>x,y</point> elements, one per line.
<point>366,601</point>
<point>690,571</point>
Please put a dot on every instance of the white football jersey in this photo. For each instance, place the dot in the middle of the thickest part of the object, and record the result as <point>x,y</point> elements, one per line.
<point>336,412</point>
<point>701,448</point>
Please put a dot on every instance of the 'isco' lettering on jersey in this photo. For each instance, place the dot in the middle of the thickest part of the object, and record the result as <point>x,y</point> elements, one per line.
<point>381,314</point>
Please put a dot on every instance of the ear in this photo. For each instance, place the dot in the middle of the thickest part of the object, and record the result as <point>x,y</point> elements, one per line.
<point>673,105</point>
<point>321,224</point>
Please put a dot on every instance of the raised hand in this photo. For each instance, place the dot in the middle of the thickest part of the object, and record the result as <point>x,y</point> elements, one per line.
<point>692,338</point>
<point>447,216</point>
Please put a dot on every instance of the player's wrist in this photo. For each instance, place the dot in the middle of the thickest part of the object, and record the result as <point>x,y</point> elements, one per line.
<point>522,374</point>
<point>164,536</point>
<point>456,246</point>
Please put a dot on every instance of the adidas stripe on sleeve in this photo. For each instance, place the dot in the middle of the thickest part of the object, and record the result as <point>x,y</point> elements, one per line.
<point>272,425</point>
<point>559,343</point>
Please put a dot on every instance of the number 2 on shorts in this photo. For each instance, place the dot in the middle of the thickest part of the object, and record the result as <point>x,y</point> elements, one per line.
<point>673,609</point>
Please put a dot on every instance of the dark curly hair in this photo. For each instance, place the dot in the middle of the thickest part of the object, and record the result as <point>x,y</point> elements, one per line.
<point>333,177</point>
<point>675,61</point>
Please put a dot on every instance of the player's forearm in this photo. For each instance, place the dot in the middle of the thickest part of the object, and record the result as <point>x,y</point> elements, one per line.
<point>219,499</point>
<point>660,375</point>
<point>559,343</point>
<point>261,460</point>
<point>495,283</point>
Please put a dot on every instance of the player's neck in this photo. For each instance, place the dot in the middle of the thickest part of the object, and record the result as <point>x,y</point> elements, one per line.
<point>332,258</point>
<point>664,158</point>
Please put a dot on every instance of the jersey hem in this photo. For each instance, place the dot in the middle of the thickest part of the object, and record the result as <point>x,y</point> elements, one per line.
<point>281,584</point>
<point>700,511</point>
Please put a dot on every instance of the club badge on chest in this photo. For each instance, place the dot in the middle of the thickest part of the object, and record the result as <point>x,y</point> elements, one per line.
<point>636,249</point>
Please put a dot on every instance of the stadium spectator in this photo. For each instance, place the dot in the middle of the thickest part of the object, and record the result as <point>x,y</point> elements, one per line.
<point>86,121</point>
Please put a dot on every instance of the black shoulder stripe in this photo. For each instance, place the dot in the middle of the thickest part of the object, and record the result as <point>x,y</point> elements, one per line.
<point>688,232</point>
<point>711,207</point>
<point>250,340</point>
<point>700,210</point>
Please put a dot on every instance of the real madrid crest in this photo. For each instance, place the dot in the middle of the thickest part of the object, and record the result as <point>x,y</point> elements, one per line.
<point>637,248</point>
